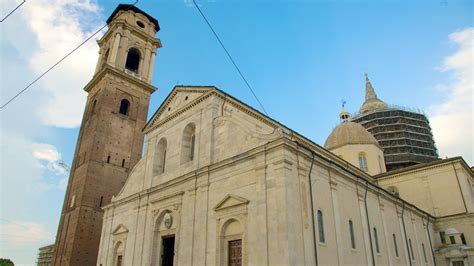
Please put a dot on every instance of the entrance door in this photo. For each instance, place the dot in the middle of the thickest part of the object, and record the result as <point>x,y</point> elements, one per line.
<point>168,251</point>
<point>235,252</point>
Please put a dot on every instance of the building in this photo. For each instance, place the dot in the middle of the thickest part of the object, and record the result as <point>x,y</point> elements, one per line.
<point>404,135</point>
<point>110,139</point>
<point>45,255</point>
<point>222,184</point>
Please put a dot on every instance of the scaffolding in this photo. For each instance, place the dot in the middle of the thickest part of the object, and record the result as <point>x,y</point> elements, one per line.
<point>405,135</point>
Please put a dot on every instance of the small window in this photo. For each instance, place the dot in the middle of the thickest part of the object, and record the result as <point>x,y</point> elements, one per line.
<point>424,252</point>
<point>395,244</point>
<point>124,106</point>
<point>321,227</point>
<point>101,200</point>
<point>363,162</point>
<point>458,263</point>
<point>376,240</point>
<point>443,237</point>
<point>140,24</point>
<point>463,239</point>
<point>123,162</point>
<point>351,232</point>
<point>133,60</point>
<point>411,250</point>
<point>452,240</point>
<point>94,103</point>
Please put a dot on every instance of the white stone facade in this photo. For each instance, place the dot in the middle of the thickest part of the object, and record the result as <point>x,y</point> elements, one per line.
<point>251,178</point>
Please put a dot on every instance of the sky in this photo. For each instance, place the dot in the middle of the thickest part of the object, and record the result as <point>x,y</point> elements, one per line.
<point>302,58</point>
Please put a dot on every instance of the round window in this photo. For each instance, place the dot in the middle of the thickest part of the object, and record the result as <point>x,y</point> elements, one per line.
<point>140,24</point>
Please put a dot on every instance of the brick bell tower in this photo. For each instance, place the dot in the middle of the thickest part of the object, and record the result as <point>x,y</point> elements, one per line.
<point>110,139</point>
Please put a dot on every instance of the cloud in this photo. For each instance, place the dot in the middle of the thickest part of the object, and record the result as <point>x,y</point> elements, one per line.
<point>452,119</point>
<point>33,176</point>
<point>25,233</point>
<point>50,154</point>
<point>57,29</point>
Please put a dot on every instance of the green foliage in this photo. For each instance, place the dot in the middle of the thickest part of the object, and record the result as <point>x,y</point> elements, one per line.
<point>6,262</point>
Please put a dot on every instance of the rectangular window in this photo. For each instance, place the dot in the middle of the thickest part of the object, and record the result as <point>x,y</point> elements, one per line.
<point>424,252</point>
<point>452,240</point>
<point>376,240</point>
<point>463,239</point>
<point>321,227</point>
<point>351,232</point>
<point>395,245</point>
<point>411,250</point>
<point>443,239</point>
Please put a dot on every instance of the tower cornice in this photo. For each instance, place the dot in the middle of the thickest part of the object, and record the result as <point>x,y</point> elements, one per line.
<point>110,70</point>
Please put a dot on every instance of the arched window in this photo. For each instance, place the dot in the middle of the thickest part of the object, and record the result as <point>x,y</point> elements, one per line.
<point>133,60</point>
<point>363,162</point>
<point>411,250</point>
<point>395,245</point>
<point>160,157</point>
<point>376,240</point>
<point>321,227</point>
<point>351,232</point>
<point>124,106</point>
<point>188,143</point>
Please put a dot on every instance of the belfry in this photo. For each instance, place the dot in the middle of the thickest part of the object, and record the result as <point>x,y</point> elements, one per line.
<point>110,139</point>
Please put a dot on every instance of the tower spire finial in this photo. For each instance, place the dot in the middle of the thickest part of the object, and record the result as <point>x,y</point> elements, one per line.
<point>344,114</point>
<point>369,90</point>
<point>371,100</point>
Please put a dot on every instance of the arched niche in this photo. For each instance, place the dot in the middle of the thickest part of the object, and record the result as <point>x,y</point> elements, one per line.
<point>165,234</point>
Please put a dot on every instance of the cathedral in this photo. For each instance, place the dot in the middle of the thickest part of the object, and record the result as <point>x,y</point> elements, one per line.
<point>220,183</point>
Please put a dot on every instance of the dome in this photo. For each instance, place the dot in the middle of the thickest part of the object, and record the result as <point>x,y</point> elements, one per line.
<point>349,133</point>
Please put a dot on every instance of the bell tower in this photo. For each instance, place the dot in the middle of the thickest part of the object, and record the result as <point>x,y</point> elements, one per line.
<point>110,139</point>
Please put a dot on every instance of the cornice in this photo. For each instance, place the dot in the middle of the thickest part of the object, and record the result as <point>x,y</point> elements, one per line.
<point>423,167</point>
<point>111,70</point>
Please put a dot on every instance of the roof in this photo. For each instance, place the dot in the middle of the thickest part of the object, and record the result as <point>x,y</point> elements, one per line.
<point>349,133</point>
<point>126,7</point>
<point>423,165</point>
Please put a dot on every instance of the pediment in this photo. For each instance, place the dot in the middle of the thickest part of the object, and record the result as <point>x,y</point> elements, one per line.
<point>121,229</point>
<point>181,97</point>
<point>230,201</point>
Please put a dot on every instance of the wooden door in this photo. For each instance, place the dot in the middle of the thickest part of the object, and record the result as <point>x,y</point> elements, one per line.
<point>235,252</point>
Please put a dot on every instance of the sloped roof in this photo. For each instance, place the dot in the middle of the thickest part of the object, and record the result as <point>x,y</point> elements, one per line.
<point>126,7</point>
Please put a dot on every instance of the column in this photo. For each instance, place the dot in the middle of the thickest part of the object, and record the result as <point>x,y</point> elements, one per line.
<point>387,236</point>
<point>363,217</point>
<point>152,63</point>
<point>404,240</point>
<point>115,48</point>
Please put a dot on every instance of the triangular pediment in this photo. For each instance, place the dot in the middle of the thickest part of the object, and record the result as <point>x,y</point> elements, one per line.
<point>121,229</point>
<point>230,201</point>
<point>181,97</point>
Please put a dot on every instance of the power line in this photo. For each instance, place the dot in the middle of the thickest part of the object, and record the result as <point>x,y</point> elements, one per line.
<point>55,64</point>
<point>230,57</point>
<point>11,12</point>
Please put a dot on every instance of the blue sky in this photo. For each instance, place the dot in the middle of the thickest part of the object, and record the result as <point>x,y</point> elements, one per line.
<point>301,57</point>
